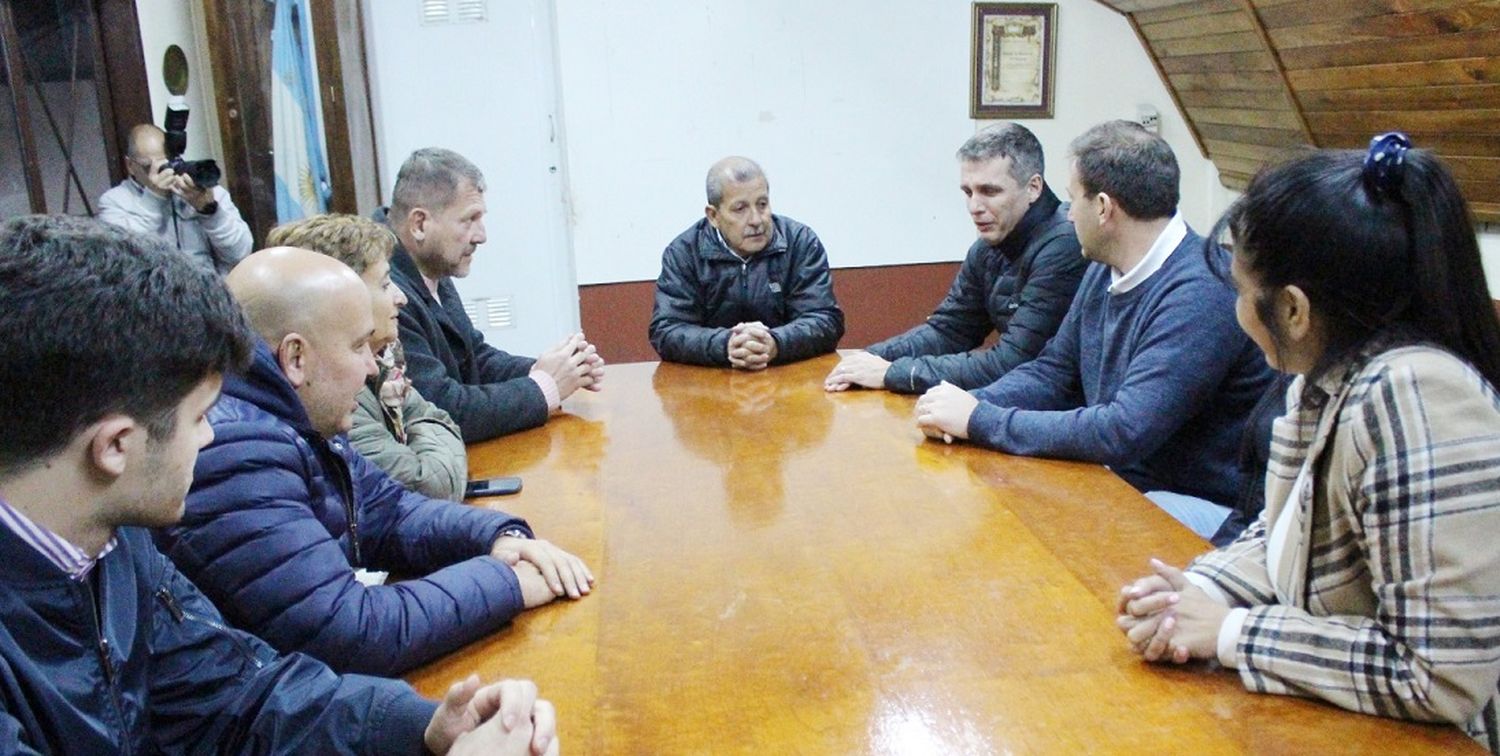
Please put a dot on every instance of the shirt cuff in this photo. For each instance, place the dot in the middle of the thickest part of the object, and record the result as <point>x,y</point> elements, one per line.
<point>548,386</point>
<point>1208,586</point>
<point>1229,636</point>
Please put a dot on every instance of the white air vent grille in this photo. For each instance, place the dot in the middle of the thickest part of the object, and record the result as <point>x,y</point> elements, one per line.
<point>454,11</point>
<point>491,314</point>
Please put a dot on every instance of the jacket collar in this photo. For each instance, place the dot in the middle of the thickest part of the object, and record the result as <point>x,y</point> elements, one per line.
<point>25,565</point>
<point>1016,241</point>
<point>263,385</point>
<point>403,267</point>
<point>711,246</point>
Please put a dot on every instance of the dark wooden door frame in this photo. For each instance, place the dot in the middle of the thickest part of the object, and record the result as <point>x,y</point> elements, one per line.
<point>239,33</point>
<point>120,86</point>
<point>126,101</point>
<point>10,45</point>
<point>239,38</point>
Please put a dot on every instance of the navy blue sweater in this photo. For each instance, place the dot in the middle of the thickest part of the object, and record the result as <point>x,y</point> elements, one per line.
<point>1155,382</point>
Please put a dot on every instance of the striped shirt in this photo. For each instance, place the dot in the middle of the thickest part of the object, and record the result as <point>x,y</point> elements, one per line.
<point>63,555</point>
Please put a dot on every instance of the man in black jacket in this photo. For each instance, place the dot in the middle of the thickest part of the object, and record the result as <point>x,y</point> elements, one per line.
<point>1018,278</point>
<point>437,213</point>
<point>742,287</point>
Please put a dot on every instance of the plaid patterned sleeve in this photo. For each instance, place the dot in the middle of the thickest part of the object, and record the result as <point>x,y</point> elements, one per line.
<point>1401,616</point>
<point>1238,570</point>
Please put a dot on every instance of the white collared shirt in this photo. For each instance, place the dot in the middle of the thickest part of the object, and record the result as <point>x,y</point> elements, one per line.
<point>1170,238</point>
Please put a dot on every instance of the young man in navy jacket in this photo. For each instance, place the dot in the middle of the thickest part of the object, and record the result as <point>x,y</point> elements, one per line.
<point>285,522</point>
<point>104,646</point>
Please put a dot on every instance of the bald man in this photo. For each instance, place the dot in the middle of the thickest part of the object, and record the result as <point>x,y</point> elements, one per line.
<point>202,222</point>
<point>744,288</point>
<point>287,526</point>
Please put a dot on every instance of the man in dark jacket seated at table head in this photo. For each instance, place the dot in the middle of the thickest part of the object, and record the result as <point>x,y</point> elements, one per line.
<point>283,512</point>
<point>437,213</point>
<point>1017,279</point>
<point>742,287</point>
<point>104,646</point>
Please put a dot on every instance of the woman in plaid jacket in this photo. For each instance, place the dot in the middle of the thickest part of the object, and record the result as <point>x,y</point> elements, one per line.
<point>1371,580</point>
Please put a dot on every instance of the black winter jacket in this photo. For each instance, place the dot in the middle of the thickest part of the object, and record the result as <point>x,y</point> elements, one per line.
<point>1020,288</point>
<point>705,289</point>
<point>485,390</point>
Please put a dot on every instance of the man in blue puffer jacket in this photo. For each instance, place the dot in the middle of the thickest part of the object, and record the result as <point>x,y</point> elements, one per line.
<point>283,512</point>
<point>104,646</point>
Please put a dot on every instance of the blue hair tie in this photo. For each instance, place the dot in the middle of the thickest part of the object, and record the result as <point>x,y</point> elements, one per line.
<point>1385,163</point>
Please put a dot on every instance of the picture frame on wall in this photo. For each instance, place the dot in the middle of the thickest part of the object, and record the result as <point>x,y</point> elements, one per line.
<point>1013,55</point>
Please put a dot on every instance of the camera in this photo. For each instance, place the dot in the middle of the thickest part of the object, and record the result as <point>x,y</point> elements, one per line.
<point>204,173</point>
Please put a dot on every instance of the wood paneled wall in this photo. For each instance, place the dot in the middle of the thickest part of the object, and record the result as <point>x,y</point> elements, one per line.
<point>1258,78</point>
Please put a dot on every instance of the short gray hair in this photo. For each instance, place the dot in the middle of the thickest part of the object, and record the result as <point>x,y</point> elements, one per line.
<point>1010,140</point>
<point>736,170</point>
<point>429,179</point>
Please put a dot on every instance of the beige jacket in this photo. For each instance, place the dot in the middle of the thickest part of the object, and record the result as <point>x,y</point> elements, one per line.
<point>1392,570</point>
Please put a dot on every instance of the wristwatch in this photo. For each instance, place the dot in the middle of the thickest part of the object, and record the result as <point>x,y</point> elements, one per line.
<point>514,532</point>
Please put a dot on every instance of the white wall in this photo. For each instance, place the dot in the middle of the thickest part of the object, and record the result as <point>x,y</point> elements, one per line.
<point>854,110</point>
<point>1489,251</point>
<point>488,91</point>
<point>856,121</point>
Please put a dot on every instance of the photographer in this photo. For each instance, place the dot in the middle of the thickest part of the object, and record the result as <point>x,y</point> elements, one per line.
<point>200,221</point>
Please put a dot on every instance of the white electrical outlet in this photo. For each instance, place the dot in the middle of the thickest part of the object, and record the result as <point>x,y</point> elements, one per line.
<point>1148,118</point>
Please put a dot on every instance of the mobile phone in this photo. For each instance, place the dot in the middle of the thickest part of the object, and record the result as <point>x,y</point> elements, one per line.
<point>493,487</point>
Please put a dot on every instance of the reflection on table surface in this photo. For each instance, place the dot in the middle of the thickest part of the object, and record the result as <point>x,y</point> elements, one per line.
<point>787,571</point>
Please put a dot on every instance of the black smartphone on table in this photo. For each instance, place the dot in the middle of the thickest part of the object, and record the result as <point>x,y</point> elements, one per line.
<point>493,487</point>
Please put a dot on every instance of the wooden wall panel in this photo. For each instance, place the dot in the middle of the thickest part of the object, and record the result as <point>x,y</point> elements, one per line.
<point>1256,79</point>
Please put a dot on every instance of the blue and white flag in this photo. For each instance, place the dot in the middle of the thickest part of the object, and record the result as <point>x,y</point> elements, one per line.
<point>302,186</point>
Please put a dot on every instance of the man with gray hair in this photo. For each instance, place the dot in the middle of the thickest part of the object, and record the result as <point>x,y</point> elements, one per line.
<point>437,213</point>
<point>741,287</point>
<point>1017,280</point>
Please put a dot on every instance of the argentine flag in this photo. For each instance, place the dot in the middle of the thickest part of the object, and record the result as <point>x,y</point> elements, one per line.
<point>302,186</point>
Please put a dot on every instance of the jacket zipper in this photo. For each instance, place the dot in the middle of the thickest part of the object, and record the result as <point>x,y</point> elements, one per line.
<point>180,615</point>
<point>346,488</point>
<point>745,282</point>
<point>105,658</point>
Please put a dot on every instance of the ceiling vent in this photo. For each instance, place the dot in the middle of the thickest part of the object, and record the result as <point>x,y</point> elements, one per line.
<point>454,11</point>
<point>490,314</point>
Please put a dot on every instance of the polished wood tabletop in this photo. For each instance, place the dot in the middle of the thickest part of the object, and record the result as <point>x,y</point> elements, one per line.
<point>783,570</point>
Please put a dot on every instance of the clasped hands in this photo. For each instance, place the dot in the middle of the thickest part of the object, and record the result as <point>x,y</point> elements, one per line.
<point>501,718</point>
<point>751,346</point>
<point>545,571</point>
<point>1167,618</point>
<point>573,364</point>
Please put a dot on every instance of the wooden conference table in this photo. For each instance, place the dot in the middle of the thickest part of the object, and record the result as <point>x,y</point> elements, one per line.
<point>787,571</point>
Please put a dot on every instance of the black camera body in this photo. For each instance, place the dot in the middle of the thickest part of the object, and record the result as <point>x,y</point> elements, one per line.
<point>204,173</point>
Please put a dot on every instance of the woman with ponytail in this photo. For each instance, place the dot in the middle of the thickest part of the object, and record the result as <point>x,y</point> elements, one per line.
<point>1372,578</point>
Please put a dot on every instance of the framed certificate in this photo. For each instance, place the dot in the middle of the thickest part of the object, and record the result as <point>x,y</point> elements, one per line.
<point>1014,52</point>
